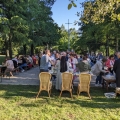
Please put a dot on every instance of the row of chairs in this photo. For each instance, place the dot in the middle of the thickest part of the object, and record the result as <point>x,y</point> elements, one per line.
<point>67,78</point>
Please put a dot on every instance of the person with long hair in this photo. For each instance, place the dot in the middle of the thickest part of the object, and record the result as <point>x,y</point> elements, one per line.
<point>61,66</point>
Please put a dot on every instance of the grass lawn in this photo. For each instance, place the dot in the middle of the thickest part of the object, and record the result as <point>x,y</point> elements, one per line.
<point>2,58</point>
<point>18,103</point>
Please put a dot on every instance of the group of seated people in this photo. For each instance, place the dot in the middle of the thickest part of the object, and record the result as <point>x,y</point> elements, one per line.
<point>19,63</point>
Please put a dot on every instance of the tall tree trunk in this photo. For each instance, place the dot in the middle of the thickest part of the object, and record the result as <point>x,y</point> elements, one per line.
<point>10,45</point>
<point>6,48</point>
<point>32,49</point>
<point>107,46</point>
<point>24,49</point>
<point>117,46</point>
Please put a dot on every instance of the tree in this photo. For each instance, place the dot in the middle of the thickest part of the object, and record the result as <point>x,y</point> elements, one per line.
<point>99,23</point>
<point>25,23</point>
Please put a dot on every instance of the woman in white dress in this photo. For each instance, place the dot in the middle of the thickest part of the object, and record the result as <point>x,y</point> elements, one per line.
<point>61,66</point>
<point>58,77</point>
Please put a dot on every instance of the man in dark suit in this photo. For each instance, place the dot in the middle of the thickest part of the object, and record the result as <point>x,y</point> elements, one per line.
<point>116,69</point>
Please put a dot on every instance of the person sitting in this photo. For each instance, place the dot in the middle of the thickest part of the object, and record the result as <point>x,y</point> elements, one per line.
<point>10,66</point>
<point>30,61</point>
<point>84,65</point>
<point>23,64</point>
<point>34,59</point>
<point>15,59</point>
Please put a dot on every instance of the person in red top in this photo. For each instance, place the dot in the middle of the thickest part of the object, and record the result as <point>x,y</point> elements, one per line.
<point>34,59</point>
<point>110,63</point>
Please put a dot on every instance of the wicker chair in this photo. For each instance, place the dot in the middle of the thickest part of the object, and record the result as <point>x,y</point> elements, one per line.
<point>117,91</point>
<point>45,84</point>
<point>66,82</point>
<point>84,85</point>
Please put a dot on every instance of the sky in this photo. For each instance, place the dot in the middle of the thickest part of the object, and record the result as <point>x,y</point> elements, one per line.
<point>61,14</point>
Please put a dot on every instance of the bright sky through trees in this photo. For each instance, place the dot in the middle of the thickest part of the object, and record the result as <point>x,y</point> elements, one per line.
<point>61,14</point>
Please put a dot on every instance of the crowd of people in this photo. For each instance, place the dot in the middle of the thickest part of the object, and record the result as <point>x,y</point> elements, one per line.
<point>68,62</point>
<point>20,63</point>
<point>71,62</point>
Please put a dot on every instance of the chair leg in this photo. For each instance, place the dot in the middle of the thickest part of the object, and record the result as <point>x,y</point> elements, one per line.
<point>38,94</point>
<point>89,95</point>
<point>60,93</point>
<point>49,93</point>
<point>71,94</point>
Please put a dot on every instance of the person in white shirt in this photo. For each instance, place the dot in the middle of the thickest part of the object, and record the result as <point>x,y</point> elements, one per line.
<point>30,60</point>
<point>45,59</point>
<point>16,59</point>
<point>73,61</point>
<point>10,66</point>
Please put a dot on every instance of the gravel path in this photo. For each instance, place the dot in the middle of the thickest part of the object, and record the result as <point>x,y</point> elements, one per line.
<point>29,77</point>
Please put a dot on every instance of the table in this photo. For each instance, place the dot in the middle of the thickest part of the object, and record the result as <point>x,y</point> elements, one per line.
<point>108,80</point>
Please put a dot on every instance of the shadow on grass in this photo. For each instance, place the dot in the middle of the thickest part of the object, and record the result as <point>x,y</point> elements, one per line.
<point>30,92</point>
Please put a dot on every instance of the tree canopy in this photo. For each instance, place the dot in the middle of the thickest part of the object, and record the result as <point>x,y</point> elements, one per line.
<point>99,25</point>
<point>26,23</point>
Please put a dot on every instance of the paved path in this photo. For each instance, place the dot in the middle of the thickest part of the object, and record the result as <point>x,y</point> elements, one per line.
<point>29,77</point>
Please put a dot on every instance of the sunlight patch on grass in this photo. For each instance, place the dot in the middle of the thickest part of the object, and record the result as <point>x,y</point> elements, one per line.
<point>18,103</point>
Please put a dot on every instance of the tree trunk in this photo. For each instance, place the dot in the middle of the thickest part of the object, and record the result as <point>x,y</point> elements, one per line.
<point>10,46</point>
<point>32,49</point>
<point>117,46</point>
<point>6,48</point>
<point>24,49</point>
<point>107,46</point>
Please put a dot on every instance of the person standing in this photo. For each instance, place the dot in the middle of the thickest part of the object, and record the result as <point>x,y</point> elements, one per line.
<point>97,70</point>
<point>73,62</point>
<point>116,69</point>
<point>45,59</point>
<point>10,66</point>
<point>58,76</point>
<point>110,63</point>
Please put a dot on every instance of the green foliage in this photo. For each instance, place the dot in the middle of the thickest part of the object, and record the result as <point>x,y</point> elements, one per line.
<point>100,25</point>
<point>2,59</point>
<point>72,3</point>
<point>63,41</point>
<point>27,22</point>
<point>69,6</point>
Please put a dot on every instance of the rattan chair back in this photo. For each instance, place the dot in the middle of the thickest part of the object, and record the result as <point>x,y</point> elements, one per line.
<point>84,81</point>
<point>67,81</point>
<point>45,83</point>
<point>84,85</point>
<point>44,78</point>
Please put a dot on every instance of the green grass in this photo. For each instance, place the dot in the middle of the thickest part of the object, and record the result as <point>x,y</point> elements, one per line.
<point>18,103</point>
<point>2,58</point>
